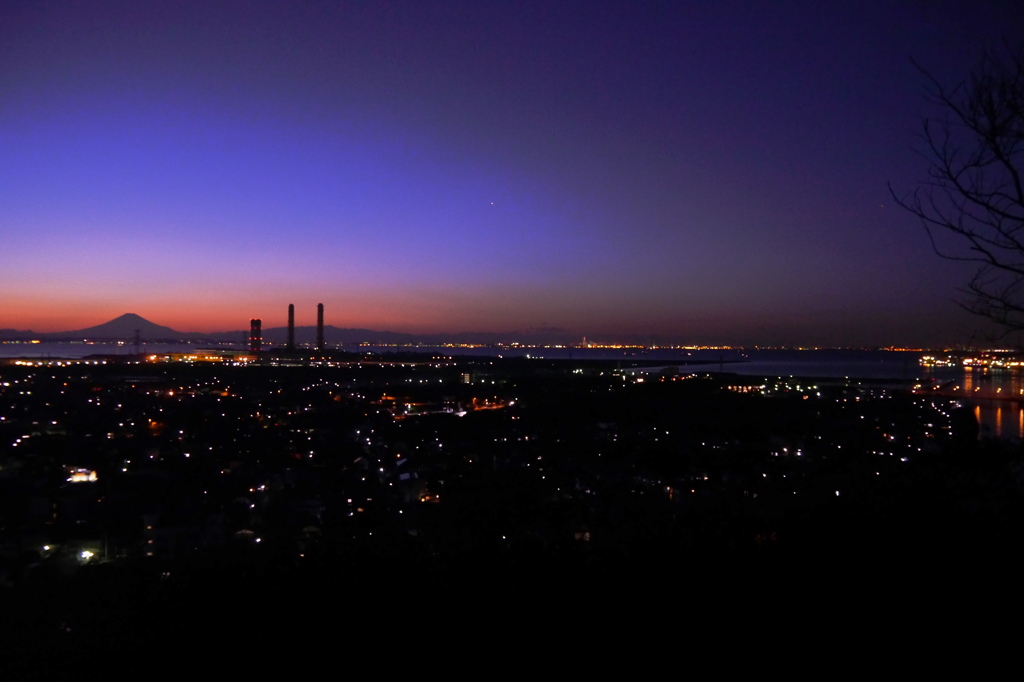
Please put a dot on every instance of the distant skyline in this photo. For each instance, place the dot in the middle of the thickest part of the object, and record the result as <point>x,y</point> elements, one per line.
<point>709,174</point>
<point>129,326</point>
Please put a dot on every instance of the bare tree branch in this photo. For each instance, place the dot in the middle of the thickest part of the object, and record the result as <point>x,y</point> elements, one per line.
<point>974,192</point>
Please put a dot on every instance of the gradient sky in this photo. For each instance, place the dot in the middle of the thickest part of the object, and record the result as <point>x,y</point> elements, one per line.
<point>711,172</point>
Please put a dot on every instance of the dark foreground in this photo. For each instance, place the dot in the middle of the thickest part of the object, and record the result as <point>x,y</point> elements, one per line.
<point>431,511</point>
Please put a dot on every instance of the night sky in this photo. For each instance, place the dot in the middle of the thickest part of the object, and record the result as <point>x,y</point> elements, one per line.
<point>706,172</point>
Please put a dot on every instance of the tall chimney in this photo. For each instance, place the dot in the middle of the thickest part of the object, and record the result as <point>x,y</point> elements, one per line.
<point>291,326</point>
<point>255,335</point>
<point>319,326</point>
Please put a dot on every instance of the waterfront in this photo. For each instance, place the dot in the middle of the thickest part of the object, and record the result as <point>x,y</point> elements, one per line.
<point>995,396</point>
<point>855,364</point>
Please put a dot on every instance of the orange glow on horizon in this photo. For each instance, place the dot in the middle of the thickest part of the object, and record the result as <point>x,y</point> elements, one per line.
<point>383,313</point>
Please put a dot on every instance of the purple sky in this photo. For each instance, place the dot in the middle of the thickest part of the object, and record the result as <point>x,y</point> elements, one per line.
<point>711,172</point>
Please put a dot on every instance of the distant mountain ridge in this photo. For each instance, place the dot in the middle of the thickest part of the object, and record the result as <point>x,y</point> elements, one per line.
<point>124,327</point>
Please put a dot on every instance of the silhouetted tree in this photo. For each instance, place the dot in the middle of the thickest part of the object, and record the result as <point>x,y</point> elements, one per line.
<point>972,204</point>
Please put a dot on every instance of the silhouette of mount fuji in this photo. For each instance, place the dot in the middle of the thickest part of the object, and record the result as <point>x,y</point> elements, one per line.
<point>123,328</point>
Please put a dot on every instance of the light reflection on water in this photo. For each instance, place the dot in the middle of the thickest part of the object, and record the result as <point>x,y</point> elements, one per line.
<point>997,399</point>
<point>1004,421</point>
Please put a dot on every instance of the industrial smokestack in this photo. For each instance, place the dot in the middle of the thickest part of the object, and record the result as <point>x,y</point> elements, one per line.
<point>255,335</point>
<point>319,326</point>
<point>291,326</point>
